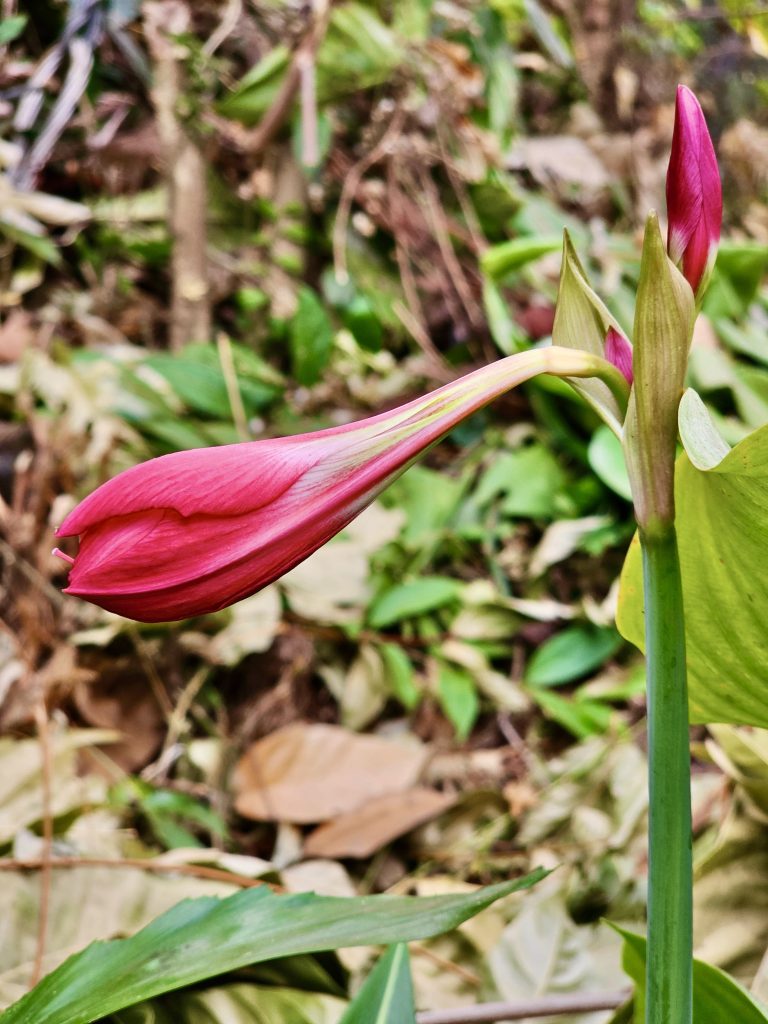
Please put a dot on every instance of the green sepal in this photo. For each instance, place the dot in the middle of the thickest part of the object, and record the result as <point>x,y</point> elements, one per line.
<point>664,316</point>
<point>581,321</point>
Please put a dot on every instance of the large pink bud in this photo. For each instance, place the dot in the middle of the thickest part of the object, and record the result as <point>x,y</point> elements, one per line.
<point>193,532</point>
<point>694,194</point>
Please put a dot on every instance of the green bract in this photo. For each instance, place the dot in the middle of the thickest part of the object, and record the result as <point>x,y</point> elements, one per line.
<point>664,317</point>
<point>581,321</point>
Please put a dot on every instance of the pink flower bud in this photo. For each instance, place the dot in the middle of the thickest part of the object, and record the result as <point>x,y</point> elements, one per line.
<point>190,533</point>
<point>694,194</point>
<point>618,352</point>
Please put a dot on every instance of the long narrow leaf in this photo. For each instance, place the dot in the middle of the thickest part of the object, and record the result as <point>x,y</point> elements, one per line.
<point>202,938</point>
<point>387,995</point>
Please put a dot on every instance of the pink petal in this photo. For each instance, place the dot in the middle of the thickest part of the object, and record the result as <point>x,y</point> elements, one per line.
<point>619,352</point>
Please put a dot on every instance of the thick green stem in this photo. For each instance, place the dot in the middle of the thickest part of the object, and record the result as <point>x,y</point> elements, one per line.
<point>668,990</point>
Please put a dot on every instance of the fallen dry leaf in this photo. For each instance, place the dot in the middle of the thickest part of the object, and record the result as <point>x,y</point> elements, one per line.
<point>310,773</point>
<point>363,832</point>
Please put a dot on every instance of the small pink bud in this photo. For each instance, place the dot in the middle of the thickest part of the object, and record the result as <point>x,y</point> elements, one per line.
<point>618,351</point>
<point>694,194</point>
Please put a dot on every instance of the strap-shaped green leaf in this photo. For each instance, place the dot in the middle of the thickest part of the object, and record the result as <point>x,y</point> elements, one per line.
<point>201,938</point>
<point>387,995</point>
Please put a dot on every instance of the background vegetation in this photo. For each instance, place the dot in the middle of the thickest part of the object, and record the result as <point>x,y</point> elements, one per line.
<point>229,221</point>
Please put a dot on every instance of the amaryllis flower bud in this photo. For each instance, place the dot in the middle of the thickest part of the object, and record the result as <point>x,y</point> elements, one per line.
<point>694,194</point>
<point>618,351</point>
<point>192,532</point>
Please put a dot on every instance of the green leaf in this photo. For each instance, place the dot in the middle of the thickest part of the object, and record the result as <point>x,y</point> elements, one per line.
<point>311,338</point>
<point>506,257</point>
<point>530,479</point>
<point>360,318</point>
<point>571,654</point>
<point>722,527</point>
<point>717,998</point>
<point>359,51</point>
<point>606,457</point>
<point>202,938</point>
<point>457,693</point>
<point>416,597</point>
<point>387,995</point>
<point>663,329</point>
<point>583,717</point>
<point>509,337</point>
<point>739,271</point>
<point>197,378</point>
<point>256,91</point>
<point>400,675</point>
<point>11,28</point>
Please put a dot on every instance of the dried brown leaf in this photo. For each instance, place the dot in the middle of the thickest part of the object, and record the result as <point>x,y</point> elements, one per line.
<point>310,773</point>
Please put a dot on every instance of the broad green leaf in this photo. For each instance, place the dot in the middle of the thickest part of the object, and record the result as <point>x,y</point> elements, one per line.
<point>739,271</point>
<point>416,597</point>
<point>662,337</point>
<point>581,321</point>
<point>722,527</point>
<point>571,654</point>
<point>717,998</point>
<point>202,938</point>
<point>606,457</point>
<point>311,338</point>
<point>197,378</point>
<point>387,995</point>
<point>458,698</point>
<point>530,479</point>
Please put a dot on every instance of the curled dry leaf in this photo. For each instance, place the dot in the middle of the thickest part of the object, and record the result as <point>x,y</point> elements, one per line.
<point>310,773</point>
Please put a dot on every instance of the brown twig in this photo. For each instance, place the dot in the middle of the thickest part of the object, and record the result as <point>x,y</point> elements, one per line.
<point>412,316</point>
<point>479,241</point>
<point>185,172</point>
<point>43,732</point>
<point>545,1006</point>
<point>470,977</point>
<point>349,189</point>
<point>257,139</point>
<point>442,236</point>
<point>157,867</point>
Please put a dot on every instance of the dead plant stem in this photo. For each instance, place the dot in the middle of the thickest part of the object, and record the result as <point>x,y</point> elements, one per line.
<point>43,732</point>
